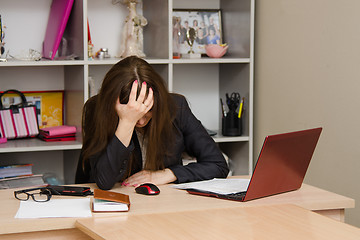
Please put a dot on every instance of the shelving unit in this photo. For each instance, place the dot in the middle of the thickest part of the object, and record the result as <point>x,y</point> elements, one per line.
<point>203,81</point>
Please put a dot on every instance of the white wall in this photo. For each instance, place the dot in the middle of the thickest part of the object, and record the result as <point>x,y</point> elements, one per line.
<point>307,74</point>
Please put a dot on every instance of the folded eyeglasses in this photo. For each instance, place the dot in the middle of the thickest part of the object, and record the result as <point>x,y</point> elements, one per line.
<point>41,194</point>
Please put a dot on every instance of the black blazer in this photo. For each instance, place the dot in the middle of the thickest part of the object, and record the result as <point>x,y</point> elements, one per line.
<point>109,167</point>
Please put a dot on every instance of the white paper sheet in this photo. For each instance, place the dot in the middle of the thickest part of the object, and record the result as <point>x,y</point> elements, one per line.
<point>54,208</point>
<point>217,185</point>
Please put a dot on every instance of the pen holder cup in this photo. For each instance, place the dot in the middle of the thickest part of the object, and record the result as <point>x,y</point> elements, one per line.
<point>231,124</point>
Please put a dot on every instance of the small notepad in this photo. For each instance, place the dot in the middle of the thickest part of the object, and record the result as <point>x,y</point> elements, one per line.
<point>109,206</point>
<point>109,201</point>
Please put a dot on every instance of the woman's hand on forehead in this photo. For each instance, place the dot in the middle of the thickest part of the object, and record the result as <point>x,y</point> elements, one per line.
<point>136,108</point>
<point>142,98</point>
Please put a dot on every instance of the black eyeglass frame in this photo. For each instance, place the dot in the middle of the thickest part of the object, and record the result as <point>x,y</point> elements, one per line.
<point>43,190</point>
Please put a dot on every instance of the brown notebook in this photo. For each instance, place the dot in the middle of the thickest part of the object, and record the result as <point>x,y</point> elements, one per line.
<point>108,201</point>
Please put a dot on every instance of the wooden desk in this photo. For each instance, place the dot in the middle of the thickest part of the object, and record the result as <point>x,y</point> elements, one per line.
<point>280,222</point>
<point>169,201</point>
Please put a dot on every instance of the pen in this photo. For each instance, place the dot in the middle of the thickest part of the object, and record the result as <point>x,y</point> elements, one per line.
<point>241,107</point>
<point>0,30</point>
<point>2,49</point>
<point>227,99</point>
<point>222,108</point>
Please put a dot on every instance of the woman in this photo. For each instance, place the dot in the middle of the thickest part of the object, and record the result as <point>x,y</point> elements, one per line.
<point>212,38</point>
<point>135,131</point>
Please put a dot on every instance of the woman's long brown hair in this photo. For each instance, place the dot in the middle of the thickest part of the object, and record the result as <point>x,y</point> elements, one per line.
<point>99,120</point>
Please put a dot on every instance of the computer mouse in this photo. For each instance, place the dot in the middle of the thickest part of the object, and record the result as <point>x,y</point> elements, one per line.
<point>147,189</point>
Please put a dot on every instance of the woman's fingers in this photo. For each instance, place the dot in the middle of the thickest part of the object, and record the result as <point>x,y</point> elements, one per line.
<point>133,92</point>
<point>138,178</point>
<point>137,107</point>
<point>142,94</point>
<point>158,177</point>
<point>149,101</point>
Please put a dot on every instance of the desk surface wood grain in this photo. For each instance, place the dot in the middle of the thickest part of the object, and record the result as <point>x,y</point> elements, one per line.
<point>280,222</point>
<point>170,200</point>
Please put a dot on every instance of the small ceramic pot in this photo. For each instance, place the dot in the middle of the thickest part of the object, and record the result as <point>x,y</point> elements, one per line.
<point>215,50</point>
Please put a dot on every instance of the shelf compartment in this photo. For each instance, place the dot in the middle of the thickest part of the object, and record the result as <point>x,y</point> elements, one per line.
<point>26,22</point>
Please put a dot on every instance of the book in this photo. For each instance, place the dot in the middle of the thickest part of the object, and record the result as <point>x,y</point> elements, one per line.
<point>109,201</point>
<point>57,139</point>
<point>15,170</point>
<point>22,181</point>
<point>58,18</point>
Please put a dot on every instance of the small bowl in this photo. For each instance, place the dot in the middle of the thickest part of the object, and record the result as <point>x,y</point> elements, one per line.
<point>215,50</point>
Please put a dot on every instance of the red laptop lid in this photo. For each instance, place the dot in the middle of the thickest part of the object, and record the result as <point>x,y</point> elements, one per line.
<point>282,163</point>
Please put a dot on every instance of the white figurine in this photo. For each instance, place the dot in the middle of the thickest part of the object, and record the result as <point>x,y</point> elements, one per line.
<point>132,34</point>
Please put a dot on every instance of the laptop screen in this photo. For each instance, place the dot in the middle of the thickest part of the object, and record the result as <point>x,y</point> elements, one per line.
<point>282,163</point>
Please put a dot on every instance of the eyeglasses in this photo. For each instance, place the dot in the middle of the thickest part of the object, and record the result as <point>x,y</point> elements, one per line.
<point>42,194</point>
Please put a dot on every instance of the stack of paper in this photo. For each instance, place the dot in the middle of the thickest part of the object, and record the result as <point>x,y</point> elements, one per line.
<point>19,175</point>
<point>217,185</point>
<point>55,208</point>
<point>22,181</point>
<point>15,170</point>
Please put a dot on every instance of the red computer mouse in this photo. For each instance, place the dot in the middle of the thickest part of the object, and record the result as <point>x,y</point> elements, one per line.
<point>147,189</point>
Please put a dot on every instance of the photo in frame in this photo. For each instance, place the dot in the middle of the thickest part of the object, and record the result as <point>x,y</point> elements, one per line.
<point>49,105</point>
<point>206,24</point>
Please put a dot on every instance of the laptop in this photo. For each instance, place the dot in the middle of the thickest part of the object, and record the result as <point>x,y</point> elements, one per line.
<point>281,166</point>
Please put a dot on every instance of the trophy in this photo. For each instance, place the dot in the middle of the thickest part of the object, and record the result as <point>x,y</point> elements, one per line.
<point>190,39</point>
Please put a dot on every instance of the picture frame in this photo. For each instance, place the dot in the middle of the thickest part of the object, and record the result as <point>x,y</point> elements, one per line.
<point>207,26</point>
<point>49,105</point>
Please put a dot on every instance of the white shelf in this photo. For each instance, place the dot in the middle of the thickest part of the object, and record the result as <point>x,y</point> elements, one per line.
<point>211,60</point>
<point>34,145</point>
<point>17,63</point>
<point>223,139</point>
<point>202,60</point>
<point>112,61</point>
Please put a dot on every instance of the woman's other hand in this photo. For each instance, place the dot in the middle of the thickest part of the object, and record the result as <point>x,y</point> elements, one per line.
<point>156,177</point>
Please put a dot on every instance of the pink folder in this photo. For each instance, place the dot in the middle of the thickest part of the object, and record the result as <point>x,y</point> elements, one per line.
<point>58,130</point>
<point>58,17</point>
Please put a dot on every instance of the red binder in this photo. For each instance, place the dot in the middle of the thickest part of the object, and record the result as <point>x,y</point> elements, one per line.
<point>58,18</point>
<point>58,133</point>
